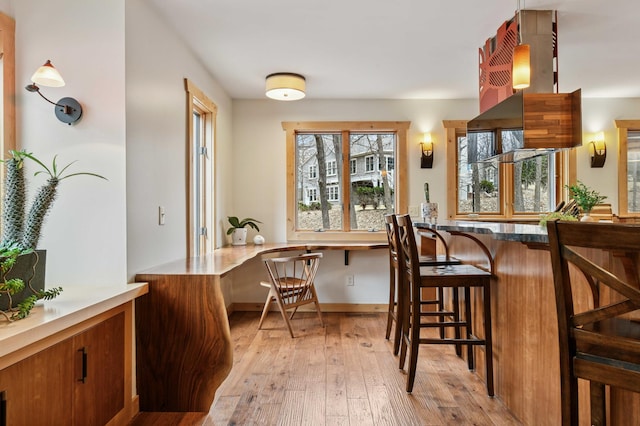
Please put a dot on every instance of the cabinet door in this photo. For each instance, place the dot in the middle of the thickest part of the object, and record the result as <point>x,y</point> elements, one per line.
<point>37,390</point>
<point>99,372</point>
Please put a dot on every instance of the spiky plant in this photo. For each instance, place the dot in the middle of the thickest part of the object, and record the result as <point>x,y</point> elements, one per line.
<point>14,199</point>
<point>20,236</point>
<point>44,199</point>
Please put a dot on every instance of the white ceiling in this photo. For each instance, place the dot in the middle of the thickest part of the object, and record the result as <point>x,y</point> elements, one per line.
<point>398,49</point>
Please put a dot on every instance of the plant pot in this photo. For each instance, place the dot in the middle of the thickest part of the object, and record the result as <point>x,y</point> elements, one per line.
<point>587,218</point>
<point>31,269</point>
<point>239,237</point>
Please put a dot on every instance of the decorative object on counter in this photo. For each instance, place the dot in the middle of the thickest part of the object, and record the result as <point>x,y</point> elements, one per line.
<point>21,232</point>
<point>258,240</point>
<point>238,231</point>
<point>429,212</point>
<point>586,199</point>
<point>556,215</point>
<point>426,192</point>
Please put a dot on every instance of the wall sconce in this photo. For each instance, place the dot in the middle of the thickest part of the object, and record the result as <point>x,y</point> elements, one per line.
<point>68,110</point>
<point>426,159</point>
<point>598,151</point>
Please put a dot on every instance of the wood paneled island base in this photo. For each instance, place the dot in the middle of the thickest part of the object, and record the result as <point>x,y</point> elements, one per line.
<point>183,342</point>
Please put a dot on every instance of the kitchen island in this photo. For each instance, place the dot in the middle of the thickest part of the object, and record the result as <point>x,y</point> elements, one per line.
<point>525,331</point>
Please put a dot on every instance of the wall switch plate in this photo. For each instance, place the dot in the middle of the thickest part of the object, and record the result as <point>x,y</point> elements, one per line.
<point>160,215</point>
<point>349,280</point>
<point>414,211</point>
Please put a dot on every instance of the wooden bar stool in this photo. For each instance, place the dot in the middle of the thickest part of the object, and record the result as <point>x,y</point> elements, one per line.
<point>600,344</point>
<point>449,276</point>
<point>394,313</point>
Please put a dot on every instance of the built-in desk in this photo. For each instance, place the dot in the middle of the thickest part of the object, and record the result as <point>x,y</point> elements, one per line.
<point>525,330</point>
<point>182,331</point>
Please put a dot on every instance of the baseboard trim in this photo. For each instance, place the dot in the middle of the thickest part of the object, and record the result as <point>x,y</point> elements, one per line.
<point>326,307</point>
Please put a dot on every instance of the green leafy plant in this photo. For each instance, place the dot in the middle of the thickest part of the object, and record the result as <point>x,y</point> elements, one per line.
<point>21,231</point>
<point>585,197</point>
<point>237,223</point>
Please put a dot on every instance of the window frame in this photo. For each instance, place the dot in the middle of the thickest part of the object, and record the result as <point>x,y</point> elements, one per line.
<point>624,126</point>
<point>8,137</point>
<point>202,195</point>
<point>400,128</point>
<point>565,163</point>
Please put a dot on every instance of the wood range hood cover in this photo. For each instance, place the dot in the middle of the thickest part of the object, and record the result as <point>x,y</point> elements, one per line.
<point>526,125</point>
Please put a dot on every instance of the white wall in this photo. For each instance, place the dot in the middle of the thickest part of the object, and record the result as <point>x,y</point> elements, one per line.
<point>157,63</point>
<point>85,233</point>
<point>260,153</point>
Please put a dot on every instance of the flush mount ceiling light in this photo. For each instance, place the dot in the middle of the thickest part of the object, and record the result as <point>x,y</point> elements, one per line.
<point>68,110</point>
<point>285,86</point>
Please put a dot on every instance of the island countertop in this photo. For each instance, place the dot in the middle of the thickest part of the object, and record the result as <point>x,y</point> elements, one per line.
<point>524,233</point>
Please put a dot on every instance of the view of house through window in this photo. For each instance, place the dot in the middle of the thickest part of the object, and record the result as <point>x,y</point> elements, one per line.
<point>319,158</point>
<point>345,179</point>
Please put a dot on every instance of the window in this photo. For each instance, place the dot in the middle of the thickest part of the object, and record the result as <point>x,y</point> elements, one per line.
<point>629,167</point>
<point>313,172</point>
<point>332,168</point>
<point>312,195</point>
<point>332,193</point>
<point>507,190</point>
<point>200,207</point>
<point>368,163</point>
<point>352,197</point>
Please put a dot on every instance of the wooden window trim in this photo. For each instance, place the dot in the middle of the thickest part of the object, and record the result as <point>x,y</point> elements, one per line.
<point>401,129</point>
<point>8,46</point>
<point>623,127</point>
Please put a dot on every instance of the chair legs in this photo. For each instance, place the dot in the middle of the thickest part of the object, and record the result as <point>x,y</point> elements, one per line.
<point>411,339</point>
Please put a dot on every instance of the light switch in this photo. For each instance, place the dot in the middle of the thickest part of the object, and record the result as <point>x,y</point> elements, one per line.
<point>160,215</point>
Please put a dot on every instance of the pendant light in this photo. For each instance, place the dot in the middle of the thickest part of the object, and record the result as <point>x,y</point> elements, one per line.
<point>521,72</point>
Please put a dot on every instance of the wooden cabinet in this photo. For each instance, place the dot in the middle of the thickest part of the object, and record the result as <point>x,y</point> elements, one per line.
<point>78,381</point>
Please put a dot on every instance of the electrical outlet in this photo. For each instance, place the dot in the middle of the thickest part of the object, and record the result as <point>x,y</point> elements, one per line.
<point>349,281</point>
<point>414,211</point>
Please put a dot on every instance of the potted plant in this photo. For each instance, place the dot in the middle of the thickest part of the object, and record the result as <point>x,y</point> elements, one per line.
<point>238,230</point>
<point>21,265</point>
<point>585,198</point>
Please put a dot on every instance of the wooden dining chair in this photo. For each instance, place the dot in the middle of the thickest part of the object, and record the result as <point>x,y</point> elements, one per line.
<point>600,343</point>
<point>291,285</point>
<point>455,277</point>
<point>397,287</point>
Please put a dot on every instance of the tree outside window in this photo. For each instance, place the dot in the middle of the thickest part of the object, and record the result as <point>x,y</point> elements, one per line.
<point>352,193</point>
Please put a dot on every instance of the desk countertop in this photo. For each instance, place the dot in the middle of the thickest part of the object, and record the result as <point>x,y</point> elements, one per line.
<point>525,233</point>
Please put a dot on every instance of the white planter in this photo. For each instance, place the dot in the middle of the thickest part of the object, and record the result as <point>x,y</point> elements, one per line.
<point>239,237</point>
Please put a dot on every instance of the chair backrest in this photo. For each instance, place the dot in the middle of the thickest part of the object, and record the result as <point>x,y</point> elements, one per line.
<point>408,262</point>
<point>293,275</point>
<point>391,226</point>
<point>567,244</point>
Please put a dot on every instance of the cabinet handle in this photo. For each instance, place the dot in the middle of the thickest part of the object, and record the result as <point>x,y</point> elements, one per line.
<point>3,409</point>
<point>83,351</point>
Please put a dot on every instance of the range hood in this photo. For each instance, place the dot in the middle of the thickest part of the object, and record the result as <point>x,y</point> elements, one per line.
<point>526,125</point>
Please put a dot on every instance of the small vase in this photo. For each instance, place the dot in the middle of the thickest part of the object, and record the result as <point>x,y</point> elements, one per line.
<point>587,218</point>
<point>239,237</point>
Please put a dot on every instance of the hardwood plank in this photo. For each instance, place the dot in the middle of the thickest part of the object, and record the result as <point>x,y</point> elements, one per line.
<point>341,374</point>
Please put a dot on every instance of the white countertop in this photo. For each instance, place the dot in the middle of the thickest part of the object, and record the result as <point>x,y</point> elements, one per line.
<point>72,306</point>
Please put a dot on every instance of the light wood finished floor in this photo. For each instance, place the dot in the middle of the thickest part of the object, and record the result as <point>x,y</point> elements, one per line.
<point>342,374</point>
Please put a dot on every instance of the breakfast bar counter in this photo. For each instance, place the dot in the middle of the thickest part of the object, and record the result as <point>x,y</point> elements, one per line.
<point>525,330</point>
